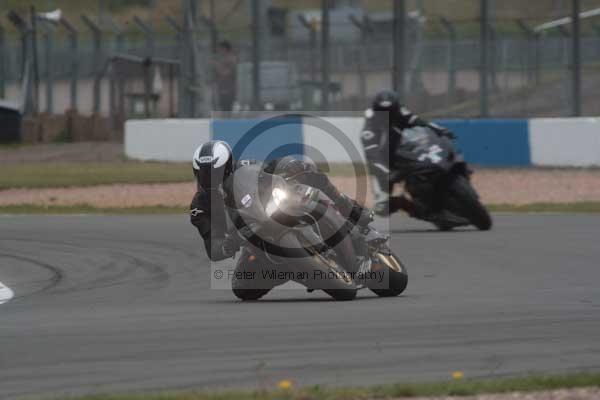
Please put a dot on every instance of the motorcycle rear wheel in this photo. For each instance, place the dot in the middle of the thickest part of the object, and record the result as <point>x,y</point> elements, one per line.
<point>345,289</point>
<point>341,287</point>
<point>464,201</point>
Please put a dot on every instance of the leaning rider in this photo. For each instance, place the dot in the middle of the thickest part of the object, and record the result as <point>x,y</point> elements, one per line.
<point>381,136</point>
<point>213,162</point>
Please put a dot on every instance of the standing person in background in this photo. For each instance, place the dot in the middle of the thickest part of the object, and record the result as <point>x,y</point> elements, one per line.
<point>225,73</point>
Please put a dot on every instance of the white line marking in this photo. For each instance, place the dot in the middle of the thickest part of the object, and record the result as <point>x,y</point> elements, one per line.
<point>5,293</point>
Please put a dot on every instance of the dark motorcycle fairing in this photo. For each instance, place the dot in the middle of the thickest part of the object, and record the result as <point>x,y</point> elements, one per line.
<point>248,194</point>
<point>422,151</point>
<point>427,162</point>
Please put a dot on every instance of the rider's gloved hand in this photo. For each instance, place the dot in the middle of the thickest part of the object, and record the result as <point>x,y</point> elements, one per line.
<point>447,133</point>
<point>442,132</point>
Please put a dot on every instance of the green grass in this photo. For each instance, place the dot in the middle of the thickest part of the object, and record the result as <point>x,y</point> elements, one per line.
<point>88,209</point>
<point>11,145</point>
<point>451,388</point>
<point>46,175</point>
<point>73,174</point>
<point>581,207</point>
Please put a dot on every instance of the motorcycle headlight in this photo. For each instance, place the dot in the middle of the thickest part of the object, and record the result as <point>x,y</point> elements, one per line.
<point>278,196</point>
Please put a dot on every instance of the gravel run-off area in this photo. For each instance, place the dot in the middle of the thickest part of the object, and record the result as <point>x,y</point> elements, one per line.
<point>496,186</point>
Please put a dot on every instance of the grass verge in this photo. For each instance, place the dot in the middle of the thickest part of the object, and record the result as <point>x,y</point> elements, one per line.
<point>88,209</point>
<point>579,208</point>
<point>452,388</point>
<point>85,174</point>
<point>57,174</point>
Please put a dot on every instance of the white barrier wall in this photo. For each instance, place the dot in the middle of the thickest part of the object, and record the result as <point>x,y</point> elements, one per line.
<point>165,139</point>
<point>566,142</point>
<point>330,145</point>
<point>176,139</point>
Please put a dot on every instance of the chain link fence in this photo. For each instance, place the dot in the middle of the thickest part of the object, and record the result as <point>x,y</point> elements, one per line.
<point>451,59</point>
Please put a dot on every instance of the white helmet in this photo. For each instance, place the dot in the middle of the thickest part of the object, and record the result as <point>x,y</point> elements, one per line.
<point>213,163</point>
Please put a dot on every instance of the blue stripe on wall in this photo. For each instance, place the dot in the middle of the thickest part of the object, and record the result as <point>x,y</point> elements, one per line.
<point>261,140</point>
<point>492,142</point>
<point>486,142</point>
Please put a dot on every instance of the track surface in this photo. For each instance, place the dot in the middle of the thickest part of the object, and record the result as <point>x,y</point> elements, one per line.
<point>107,304</point>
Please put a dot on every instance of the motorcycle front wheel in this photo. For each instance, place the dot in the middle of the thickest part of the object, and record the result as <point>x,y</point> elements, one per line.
<point>395,276</point>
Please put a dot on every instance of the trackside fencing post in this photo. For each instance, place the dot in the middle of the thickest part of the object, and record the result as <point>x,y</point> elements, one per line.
<point>74,50</point>
<point>399,45</point>
<point>149,35</point>
<point>532,56</point>
<point>365,29</point>
<point>256,55</point>
<point>576,57</point>
<point>47,35</point>
<point>312,42</point>
<point>25,32</point>
<point>180,89</point>
<point>484,33</point>
<point>325,59</point>
<point>451,31</point>
<point>98,64</point>
<point>3,57</point>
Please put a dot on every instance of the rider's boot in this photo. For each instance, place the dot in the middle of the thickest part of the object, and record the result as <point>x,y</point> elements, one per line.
<point>405,204</point>
<point>446,221</point>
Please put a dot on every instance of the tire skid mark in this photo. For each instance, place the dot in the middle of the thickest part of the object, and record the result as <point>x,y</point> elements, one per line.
<point>100,282</point>
<point>56,273</point>
<point>158,276</point>
<point>124,263</point>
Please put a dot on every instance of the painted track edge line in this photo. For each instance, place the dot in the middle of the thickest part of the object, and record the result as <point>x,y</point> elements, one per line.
<point>5,293</point>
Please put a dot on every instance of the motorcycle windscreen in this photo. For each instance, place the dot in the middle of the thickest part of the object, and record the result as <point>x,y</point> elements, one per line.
<point>422,144</point>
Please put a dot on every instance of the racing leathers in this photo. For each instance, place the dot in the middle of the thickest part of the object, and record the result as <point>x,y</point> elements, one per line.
<point>209,216</point>
<point>381,136</point>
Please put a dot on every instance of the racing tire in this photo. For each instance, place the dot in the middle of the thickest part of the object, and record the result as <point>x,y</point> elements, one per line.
<point>464,201</point>
<point>342,288</point>
<point>395,272</point>
<point>249,294</point>
<point>342,294</point>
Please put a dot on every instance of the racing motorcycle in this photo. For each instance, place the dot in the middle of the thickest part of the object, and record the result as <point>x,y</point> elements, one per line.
<point>293,232</point>
<point>438,181</point>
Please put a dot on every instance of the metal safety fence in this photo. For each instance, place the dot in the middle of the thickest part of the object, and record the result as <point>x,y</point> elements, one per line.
<point>475,58</point>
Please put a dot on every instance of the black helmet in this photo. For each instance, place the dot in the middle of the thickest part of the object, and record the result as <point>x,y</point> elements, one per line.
<point>386,100</point>
<point>213,163</point>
